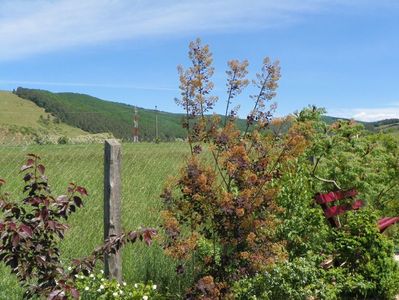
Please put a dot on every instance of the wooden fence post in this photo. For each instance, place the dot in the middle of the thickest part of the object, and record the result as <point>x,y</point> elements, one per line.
<point>112,204</point>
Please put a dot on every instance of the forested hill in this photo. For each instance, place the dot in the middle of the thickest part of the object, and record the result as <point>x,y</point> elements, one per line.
<point>95,115</point>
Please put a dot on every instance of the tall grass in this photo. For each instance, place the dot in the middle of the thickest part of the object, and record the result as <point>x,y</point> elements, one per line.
<point>145,168</point>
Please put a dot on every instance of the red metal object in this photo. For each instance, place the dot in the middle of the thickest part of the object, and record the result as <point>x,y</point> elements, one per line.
<point>339,209</point>
<point>334,196</point>
<point>331,212</point>
<point>386,222</point>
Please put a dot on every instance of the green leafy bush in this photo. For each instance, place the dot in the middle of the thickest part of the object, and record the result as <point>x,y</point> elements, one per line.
<point>365,257</point>
<point>361,259</point>
<point>62,140</point>
<point>299,279</point>
<point>303,226</point>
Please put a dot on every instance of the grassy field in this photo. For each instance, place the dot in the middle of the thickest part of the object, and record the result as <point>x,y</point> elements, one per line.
<point>22,117</point>
<point>145,168</point>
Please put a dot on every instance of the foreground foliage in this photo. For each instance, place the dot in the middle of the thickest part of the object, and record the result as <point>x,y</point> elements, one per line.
<point>32,230</point>
<point>225,211</point>
<point>140,202</point>
<point>363,268</point>
<point>241,219</point>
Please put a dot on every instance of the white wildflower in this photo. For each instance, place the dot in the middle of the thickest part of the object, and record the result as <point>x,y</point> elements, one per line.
<point>69,268</point>
<point>102,279</point>
<point>101,287</point>
<point>120,292</point>
<point>86,288</point>
<point>136,285</point>
<point>76,275</point>
<point>102,271</point>
<point>154,287</point>
<point>124,283</point>
<point>145,297</point>
<point>114,294</point>
<point>91,275</point>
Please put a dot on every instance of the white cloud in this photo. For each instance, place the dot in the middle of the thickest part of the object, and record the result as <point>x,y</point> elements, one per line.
<point>38,26</point>
<point>366,114</point>
<point>87,84</point>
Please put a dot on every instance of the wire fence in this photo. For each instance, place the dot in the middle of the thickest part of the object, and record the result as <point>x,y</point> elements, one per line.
<point>145,169</point>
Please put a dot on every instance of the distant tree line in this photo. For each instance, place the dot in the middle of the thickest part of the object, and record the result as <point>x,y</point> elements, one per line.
<point>95,115</point>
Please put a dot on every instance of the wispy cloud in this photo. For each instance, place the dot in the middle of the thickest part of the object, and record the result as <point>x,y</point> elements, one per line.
<point>87,84</point>
<point>40,26</point>
<point>367,114</point>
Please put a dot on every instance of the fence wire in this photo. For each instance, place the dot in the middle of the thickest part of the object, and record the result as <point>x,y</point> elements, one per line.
<point>145,169</point>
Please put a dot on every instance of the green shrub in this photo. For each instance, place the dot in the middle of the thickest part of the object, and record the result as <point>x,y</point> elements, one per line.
<point>299,279</point>
<point>303,226</point>
<point>366,257</point>
<point>63,140</point>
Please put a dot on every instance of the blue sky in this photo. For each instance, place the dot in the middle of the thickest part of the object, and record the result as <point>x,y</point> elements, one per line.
<point>339,54</point>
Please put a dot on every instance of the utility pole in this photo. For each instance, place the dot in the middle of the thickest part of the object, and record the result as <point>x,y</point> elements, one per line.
<point>156,124</point>
<point>135,126</point>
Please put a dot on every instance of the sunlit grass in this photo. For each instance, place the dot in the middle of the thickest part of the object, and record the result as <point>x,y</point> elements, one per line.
<point>145,168</point>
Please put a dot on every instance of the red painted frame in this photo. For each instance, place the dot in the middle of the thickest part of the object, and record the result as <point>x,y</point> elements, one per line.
<point>331,212</point>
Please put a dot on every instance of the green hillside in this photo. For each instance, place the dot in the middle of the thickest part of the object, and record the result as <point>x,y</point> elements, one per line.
<point>21,119</point>
<point>367,125</point>
<point>95,115</point>
<point>388,126</point>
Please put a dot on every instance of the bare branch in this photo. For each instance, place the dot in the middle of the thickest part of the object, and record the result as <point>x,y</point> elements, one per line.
<point>327,181</point>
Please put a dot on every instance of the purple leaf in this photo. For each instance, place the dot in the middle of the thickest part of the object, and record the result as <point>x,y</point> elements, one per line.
<point>74,293</point>
<point>81,190</point>
<point>26,229</point>
<point>27,177</point>
<point>147,236</point>
<point>15,240</point>
<point>78,201</point>
<point>41,169</point>
<point>54,294</point>
<point>12,226</point>
<point>132,236</point>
